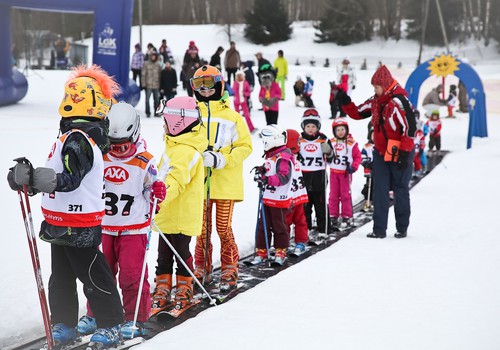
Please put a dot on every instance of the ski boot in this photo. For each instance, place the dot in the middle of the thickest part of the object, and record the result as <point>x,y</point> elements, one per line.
<point>86,325</point>
<point>202,275</point>
<point>184,292</point>
<point>162,297</point>
<point>128,331</point>
<point>228,277</point>
<point>260,257</point>
<point>348,223</point>
<point>63,335</point>
<point>334,225</point>
<point>104,338</point>
<point>300,248</point>
<point>280,256</point>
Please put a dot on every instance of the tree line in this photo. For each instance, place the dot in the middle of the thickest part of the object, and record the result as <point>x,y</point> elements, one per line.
<point>340,21</point>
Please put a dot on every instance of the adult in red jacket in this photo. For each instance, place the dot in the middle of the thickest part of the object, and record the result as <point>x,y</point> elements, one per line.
<point>394,129</point>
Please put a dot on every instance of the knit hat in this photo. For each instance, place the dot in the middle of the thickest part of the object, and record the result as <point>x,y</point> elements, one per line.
<point>382,77</point>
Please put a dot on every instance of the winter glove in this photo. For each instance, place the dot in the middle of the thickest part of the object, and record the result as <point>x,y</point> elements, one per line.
<point>260,170</point>
<point>214,160</point>
<point>260,179</point>
<point>354,87</point>
<point>350,169</point>
<point>367,164</point>
<point>10,178</point>
<point>158,191</point>
<point>45,180</point>
<point>23,173</point>
<point>327,149</point>
<point>342,97</point>
<point>403,159</point>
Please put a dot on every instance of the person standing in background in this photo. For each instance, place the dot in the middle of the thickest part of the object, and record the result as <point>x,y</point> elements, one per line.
<point>281,66</point>
<point>232,61</point>
<point>168,82</point>
<point>151,72</point>
<point>137,63</point>
<point>215,59</point>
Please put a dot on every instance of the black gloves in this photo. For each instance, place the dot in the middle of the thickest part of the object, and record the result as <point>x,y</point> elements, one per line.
<point>342,97</point>
<point>367,164</point>
<point>259,175</point>
<point>403,160</point>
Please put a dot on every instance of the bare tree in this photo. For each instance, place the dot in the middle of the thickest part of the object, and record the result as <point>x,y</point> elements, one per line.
<point>486,32</point>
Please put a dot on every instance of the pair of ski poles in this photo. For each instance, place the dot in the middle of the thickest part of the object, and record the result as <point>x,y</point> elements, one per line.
<point>35,258</point>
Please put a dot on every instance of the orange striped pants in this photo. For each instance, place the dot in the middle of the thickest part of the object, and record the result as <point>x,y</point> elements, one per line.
<point>223,224</point>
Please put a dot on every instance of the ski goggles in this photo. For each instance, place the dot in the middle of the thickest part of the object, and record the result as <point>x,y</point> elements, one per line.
<point>205,82</point>
<point>179,120</point>
<point>310,113</point>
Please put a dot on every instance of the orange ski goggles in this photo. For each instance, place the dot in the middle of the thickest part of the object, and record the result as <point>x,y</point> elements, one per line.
<point>205,82</point>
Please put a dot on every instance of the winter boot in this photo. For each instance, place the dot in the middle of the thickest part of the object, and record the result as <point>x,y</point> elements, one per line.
<point>202,275</point>
<point>107,336</point>
<point>184,291</point>
<point>128,331</point>
<point>280,256</point>
<point>86,325</point>
<point>376,235</point>
<point>162,294</point>
<point>334,225</point>
<point>63,335</point>
<point>400,234</point>
<point>228,277</point>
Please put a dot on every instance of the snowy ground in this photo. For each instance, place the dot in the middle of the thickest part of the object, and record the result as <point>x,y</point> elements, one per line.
<point>434,290</point>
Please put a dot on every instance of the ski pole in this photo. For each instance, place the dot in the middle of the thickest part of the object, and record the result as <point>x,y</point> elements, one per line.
<point>261,193</point>
<point>264,224</point>
<point>35,259</point>
<point>162,235</point>
<point>208,217</point>
<point>327,215</point>
<point>368,201</point>
<point>143,271</point>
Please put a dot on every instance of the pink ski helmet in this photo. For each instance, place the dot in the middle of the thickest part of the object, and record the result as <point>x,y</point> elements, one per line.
<point>181,114</point>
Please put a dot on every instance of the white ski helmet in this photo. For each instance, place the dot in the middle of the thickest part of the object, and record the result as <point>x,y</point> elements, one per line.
<point>272,137</point>
<point>124,123</point>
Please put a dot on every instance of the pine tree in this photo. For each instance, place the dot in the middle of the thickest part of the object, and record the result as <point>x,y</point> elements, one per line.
<point>344,23</point>
<point>267,23</point>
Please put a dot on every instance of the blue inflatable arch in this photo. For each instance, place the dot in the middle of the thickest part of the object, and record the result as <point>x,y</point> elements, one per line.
<point>112,25</point>
<point>476,99</point>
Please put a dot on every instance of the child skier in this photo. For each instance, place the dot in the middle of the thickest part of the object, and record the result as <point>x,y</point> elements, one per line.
<point>452,100</point>
<point>242,93</point>
<point>275,177</point>
<point>181,213</point>
<point>296,215</point>
<point>434,125</point>
<point>130,179</point>
<point>308,91</point>
<point>73,208</point>
<point>298,89</point>
<point>270,93</point>
<point>314,148</point>
<point>418,166</point>
<point>345,161</point>
<point>230,143</point>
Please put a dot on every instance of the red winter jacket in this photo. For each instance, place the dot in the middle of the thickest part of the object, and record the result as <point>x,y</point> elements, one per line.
<point>388,118</point>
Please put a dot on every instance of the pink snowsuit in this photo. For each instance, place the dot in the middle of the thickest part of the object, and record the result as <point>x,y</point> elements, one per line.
<point>242,91</point>
<point>347,155</point>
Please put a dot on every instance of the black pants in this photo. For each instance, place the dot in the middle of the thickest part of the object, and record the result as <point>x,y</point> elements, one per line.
<point>91,268</point>
<point>308,102</point>
<point>166,257</point>
<point>435,141</point>
<point>271,117</point>
<point>316,199</point>
<point>231,72</point>
<point>136,73</point>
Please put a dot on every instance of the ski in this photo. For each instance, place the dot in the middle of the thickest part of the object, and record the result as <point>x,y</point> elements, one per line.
<point>155,310</point>
<point>295,253</point>
<point>278,263</point>
<point>122,345</point>
<point>255,261</point>
<point>176,312</point>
